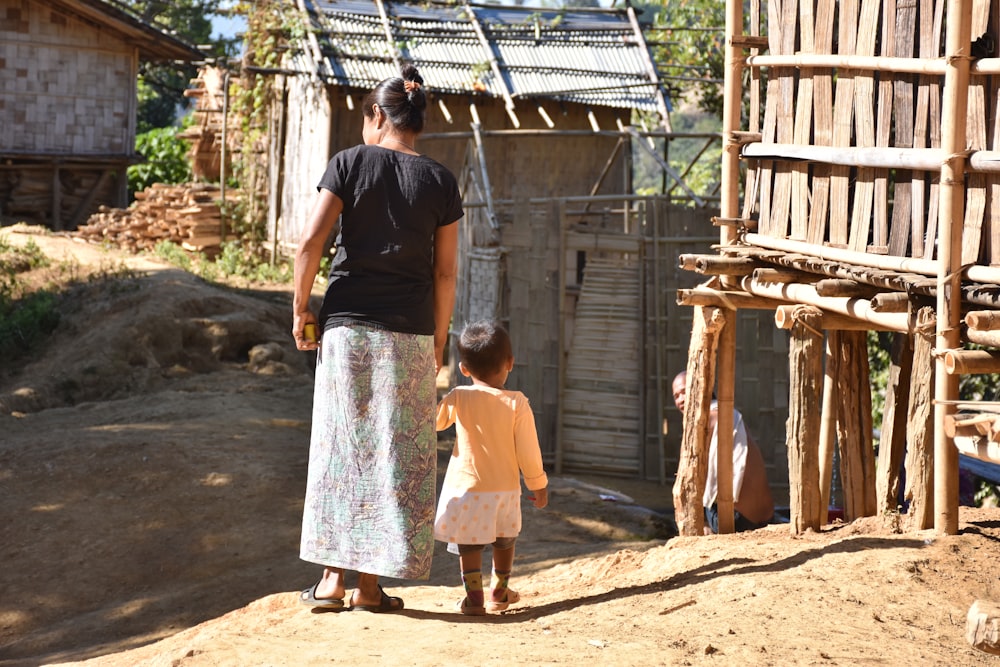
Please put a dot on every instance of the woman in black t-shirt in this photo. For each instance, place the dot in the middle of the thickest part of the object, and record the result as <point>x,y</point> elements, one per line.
<point>383,326</point>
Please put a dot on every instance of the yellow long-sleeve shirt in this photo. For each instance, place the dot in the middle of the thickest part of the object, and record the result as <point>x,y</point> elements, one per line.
<point>495,440</point>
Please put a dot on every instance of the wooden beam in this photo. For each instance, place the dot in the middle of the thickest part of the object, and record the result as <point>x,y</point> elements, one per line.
<point>919,491</point>
<point>692,466</point>
<point>804,410</point>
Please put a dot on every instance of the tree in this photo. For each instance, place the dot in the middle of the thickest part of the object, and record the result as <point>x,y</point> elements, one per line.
<point>161,85</point>
<point>688,41</point>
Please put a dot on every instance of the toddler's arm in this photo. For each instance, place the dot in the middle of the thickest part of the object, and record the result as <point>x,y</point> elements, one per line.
<point>541,497</point>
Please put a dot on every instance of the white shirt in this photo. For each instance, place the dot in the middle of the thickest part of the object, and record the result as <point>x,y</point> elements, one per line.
<point>739,459</point>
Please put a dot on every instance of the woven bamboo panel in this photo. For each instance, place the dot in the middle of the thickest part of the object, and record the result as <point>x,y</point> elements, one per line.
<point>68,87</point>
<point>601,407</point>
<point>878,210</point>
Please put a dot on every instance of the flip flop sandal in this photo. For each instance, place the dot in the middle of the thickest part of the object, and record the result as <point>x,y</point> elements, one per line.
<point>511,597</point>
<point>387,603</point>
<point>467,609</point>
<point>308,598</point>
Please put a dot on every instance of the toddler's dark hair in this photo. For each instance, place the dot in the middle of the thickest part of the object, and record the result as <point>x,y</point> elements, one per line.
<point>484,347</point>
<point>404,108</point>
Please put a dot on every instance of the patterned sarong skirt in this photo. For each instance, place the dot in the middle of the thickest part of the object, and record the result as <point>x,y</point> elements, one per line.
<point>369,502</point>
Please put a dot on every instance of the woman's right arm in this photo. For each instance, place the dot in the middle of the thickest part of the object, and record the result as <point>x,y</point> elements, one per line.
<point>320,225</point>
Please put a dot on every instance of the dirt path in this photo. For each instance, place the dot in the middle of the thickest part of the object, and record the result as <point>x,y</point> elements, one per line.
<point>152,463</point>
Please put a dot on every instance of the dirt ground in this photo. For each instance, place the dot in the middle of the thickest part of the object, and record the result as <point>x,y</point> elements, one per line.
<point>152,465</point>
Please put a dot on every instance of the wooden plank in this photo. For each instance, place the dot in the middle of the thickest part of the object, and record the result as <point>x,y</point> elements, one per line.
<point>919,490</point>
<point>806,377</point>
<point>918,183</point>
<point>883,128</point>
<point>766,177</point>
<point>930,235</point>
<point>854,426</point>
<point>781,199</point>
<point>901,225</point>
<point>864,123</point>
<point>843,111</point>
<point>823,121</point>
<point>803,125</point>
<point>975,133</point>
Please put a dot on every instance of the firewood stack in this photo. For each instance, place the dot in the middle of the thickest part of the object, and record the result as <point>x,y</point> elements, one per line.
<point>186,214</point>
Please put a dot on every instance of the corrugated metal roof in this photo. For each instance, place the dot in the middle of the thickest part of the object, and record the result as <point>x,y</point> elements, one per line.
<point>589,56</point>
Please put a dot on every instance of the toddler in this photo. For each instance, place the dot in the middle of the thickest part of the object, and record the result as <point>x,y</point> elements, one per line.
<point>495,443</point>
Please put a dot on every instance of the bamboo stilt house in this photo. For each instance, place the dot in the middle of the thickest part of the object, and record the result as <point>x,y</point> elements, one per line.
<point>861,192</point>
<point>68,72</point>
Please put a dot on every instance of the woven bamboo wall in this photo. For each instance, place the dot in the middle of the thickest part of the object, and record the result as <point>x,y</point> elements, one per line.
<point>66,87</point>
<point>316,121</point>
<point>601,331</point>
<point>881,210</point>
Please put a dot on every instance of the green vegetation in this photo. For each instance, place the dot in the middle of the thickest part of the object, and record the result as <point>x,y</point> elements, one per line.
<point>166,159</point>
<point>30,303</point>
<point>235,261</point>
<point>26,317</point>
<point>162,85</point>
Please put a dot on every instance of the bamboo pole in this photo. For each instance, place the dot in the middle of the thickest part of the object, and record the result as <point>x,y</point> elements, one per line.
<point>784,318</point>
<point>924,159</point>
<point>927,159</point>
<point>716,265</point>
<point>852,62</point>
<point>844,287</point>
<point>858,309</point>
<point>927,267</point>
<point>979,448</point>
<point>704,296</point>
<point>983,320</point>
<point>987,338</point>
<point>725,381</point>
<point>783,276</point>
<point>827,427</point>
<point>967,425</point>
<point>971,362</point>
<point>935,66</point>
<point>891,302</point>
<point>952,199</point>
<point>732,103</point>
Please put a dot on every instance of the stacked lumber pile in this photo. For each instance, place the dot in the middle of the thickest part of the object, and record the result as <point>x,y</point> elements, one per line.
<point>186,214</point>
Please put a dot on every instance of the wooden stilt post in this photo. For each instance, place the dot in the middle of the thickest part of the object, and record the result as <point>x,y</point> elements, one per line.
<point>920,461</point>
<point>892,443</point>
<point>854,426</point>
<point>805,371</point>
<point>955,101</point>
<point>689,484</point>
<point>726,373</point>
<point>828,424</point>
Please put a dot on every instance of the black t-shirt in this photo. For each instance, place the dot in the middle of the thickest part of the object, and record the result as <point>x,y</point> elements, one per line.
<point>383,266</point>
